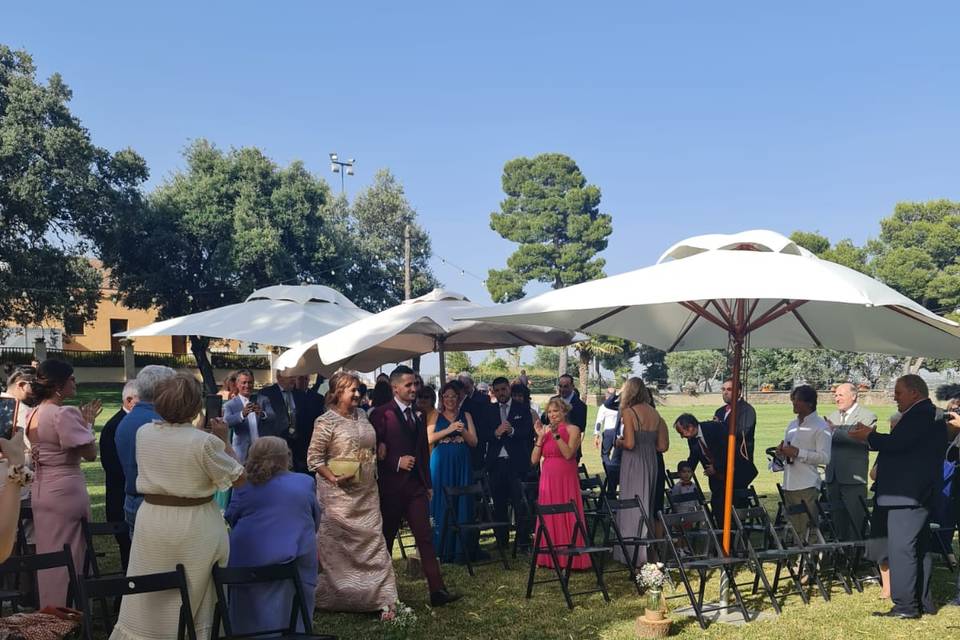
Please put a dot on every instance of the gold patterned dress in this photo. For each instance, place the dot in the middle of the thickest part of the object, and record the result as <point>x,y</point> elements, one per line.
<point>356,570</point>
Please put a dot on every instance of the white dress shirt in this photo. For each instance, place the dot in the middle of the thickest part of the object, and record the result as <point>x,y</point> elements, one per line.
<point>813,439</point>
<point>606,419</point>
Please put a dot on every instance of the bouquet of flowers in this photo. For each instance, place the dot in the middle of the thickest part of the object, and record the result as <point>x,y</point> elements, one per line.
<point>401,625</point>
<point>651,576</point>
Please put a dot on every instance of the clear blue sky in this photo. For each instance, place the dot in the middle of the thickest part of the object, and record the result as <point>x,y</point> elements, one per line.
<point>692,117</point>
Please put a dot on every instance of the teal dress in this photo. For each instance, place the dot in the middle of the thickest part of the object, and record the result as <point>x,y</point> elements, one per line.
<point>449,467</point>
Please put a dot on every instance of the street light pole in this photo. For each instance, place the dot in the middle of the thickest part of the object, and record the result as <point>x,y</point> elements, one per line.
<point>342,167</point>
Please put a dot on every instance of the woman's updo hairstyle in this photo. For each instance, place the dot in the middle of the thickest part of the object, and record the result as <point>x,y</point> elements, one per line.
<point>52,375</point>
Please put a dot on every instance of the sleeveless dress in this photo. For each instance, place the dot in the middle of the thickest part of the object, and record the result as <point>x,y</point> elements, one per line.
<point>638,476</point>
<point>449,467</point>
<point>559,484</point>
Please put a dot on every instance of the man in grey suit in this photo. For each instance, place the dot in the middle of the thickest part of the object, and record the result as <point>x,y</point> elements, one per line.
<point>249,415</point>
<point>846,474</point>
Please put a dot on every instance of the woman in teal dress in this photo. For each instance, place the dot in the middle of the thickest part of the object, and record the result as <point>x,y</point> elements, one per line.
<point>452,435</point>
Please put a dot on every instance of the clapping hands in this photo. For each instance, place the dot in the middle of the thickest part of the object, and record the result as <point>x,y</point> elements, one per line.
<point>91,410</point>
<point>860,432</point>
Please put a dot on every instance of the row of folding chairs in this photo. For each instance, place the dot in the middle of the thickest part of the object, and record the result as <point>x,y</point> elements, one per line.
<point>84,591</point>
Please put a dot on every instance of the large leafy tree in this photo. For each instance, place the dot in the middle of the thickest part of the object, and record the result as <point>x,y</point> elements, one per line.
<point>229,223</point>
<point>378,217</point>
<point>57,190</point>
<point>696,369</point>
<point>554,215</point>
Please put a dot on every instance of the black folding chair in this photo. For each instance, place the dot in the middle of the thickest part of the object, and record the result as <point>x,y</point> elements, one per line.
<point>30,565</point>
<point>686,560</point>
<point>92,531</point>
<point>757,540</point>
<point>582,471</point>
<point>123,586</point>
<point>820,565</point>
<point>591,493</point>
<point>630,545</point>
<point>578,544</point>
<point>527,518</point>
<point>482,520</point>
<point>244,576</point>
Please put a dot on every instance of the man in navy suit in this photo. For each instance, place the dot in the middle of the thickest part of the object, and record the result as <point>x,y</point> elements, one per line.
<point>708,447</point>
<point>404,476</point>
<point>508,433</point>
<point>909,477</point>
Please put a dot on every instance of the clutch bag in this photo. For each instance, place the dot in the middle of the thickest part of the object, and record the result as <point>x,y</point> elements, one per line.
<point>344,466</point>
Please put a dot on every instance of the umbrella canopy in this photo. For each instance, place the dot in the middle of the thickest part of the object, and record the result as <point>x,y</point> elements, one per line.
<point>281,315</point>
<point>790,298</point>
<point>413,328</point>
<point>718,291</point>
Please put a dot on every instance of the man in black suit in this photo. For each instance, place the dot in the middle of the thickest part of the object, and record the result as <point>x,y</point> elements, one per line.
<point>508,433</point>
<point>113,471</point>
<point>578,408</point>
<point>296,411</point>
<point>746,415</point>
<point>708,447</point>
<point>909,477</point>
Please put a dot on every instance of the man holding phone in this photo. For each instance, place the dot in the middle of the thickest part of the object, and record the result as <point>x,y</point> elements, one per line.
<point>249,414</point>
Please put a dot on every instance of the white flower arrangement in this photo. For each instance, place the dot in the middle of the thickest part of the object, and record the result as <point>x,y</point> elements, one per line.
<point>401,624</point>
<point>651,576</point>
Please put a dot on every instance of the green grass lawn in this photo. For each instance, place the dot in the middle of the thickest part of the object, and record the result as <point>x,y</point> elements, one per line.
<point>494,605</point>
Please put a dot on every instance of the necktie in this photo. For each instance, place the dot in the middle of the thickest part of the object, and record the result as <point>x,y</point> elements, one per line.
<point>706,450</point>
<point>408,414</point>
<point>843,417</point>
<point>291,413</point>
<point>503,412</point>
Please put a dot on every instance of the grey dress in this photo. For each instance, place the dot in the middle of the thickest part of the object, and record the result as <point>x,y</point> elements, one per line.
<point>638,477</point>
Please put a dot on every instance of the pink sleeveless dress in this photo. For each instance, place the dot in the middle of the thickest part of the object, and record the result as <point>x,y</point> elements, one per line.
<point>559,484</point>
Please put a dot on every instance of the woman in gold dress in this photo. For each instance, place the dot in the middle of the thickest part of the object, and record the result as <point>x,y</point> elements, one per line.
<point>356,570</point>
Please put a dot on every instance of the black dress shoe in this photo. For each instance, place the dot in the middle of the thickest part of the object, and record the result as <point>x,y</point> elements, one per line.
<point>442,597</point>
<point>900,615</point>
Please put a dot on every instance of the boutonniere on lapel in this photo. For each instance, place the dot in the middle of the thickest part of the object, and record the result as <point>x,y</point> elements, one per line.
<point>516,417</point>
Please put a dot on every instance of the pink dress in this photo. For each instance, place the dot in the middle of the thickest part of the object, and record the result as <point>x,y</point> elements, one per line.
<point>59,492</point>
<point>559,484</point>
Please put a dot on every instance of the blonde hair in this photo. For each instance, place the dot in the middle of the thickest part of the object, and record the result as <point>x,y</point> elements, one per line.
<point>559,403</point>
<point>178,398</point>
<point>267,457</point>
<point>338,384</point>
<point>633,392</point>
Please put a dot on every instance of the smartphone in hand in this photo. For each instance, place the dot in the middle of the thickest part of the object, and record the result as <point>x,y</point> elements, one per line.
<point>8,416</point>
<point>212,408</point>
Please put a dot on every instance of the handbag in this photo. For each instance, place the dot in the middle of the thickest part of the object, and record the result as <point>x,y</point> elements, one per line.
<point>344,466</point>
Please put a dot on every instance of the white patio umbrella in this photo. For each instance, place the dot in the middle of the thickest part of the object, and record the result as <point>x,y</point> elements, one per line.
<point>412,328</point>
<point>281,315</point>
<point>721,291</point>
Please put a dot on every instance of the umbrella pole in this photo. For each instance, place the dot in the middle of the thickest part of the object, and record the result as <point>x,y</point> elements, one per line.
<point>443,362</point>
<point>731,444</point>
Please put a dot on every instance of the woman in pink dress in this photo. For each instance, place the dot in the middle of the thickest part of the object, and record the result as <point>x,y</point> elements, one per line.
<point>59,438</point>
<point>556,452</point>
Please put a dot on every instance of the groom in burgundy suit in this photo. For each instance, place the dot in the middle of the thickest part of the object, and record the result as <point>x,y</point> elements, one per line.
<point>404,466</point>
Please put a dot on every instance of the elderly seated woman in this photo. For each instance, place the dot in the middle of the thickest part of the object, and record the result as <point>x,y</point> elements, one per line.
<point>273,520</point>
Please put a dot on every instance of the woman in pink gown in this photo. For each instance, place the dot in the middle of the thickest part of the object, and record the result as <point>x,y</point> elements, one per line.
<point>556,452</point>
<point>59,438</point>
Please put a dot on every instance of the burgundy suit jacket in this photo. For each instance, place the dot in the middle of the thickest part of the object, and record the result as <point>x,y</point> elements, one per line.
<point>401,440</point>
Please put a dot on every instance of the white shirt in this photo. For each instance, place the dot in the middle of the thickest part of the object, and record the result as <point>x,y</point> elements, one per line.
<point>845,415</point>
<point>812,437</point>
<point>606,419</point>
<point>251,422</point>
